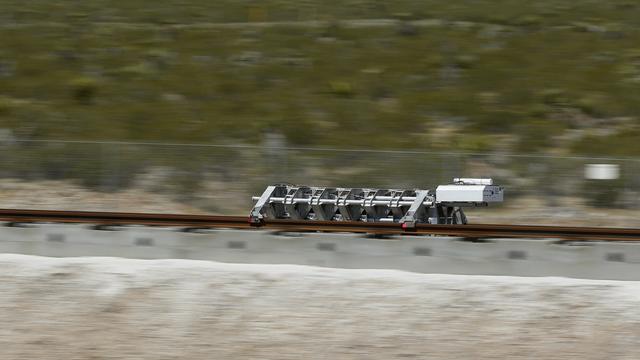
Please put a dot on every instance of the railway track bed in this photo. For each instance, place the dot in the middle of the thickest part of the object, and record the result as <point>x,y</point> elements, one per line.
<point>469,231</point>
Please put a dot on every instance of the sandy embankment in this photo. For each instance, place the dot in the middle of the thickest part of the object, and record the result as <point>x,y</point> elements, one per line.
<point>106,308</point>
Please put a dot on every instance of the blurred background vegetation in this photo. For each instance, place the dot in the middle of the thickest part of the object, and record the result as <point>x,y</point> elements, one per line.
<point>511,75</point>
<point>547,77</point>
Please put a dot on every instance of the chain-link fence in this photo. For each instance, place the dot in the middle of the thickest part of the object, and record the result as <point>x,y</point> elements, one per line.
<point>122,176</point>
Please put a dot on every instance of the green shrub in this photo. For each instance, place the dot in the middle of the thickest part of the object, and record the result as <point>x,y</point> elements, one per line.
<point>465,61</point>
<point>159,58</point>
<point>539,111</point>
<point>342,88</point>
<point>593,104</point>
<point>406,28</point>
<point>139,70</point>
<point>6,105</point>
<point>536,135</point>
<point>554,97</point>
<point>473,143</point>
<point>527,21</point>
<point>496,121</point>
<point>602,193</point>
<point>84,90</point>
<point>620,144</point>
<point>632,54</point>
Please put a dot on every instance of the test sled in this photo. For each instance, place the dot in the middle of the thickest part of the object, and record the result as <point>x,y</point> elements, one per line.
<point>408,207</point>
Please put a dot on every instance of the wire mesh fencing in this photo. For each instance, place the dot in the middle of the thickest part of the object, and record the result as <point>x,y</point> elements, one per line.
<point>129,176</point>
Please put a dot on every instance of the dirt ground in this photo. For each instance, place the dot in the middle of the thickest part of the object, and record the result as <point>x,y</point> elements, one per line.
<point>109,308</point>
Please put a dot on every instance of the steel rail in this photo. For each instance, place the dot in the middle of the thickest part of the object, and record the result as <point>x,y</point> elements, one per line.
<point>474,231</point>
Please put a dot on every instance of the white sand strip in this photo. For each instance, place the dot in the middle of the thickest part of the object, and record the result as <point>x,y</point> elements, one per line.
<point>111,308</point>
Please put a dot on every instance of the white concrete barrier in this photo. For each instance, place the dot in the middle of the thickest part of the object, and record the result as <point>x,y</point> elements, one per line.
<point>447,255</point>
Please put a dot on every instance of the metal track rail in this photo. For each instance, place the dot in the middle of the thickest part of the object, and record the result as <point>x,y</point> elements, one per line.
<point>476,231</point>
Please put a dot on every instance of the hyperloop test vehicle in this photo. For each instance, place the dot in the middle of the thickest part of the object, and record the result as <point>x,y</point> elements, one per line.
<point>406,206</point>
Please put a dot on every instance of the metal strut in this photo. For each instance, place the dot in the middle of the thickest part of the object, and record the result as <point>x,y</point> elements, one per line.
<point>408,207</point>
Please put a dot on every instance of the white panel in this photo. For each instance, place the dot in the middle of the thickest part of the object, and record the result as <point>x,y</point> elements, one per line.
<point>601,171</point>
<point>469,193</point>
